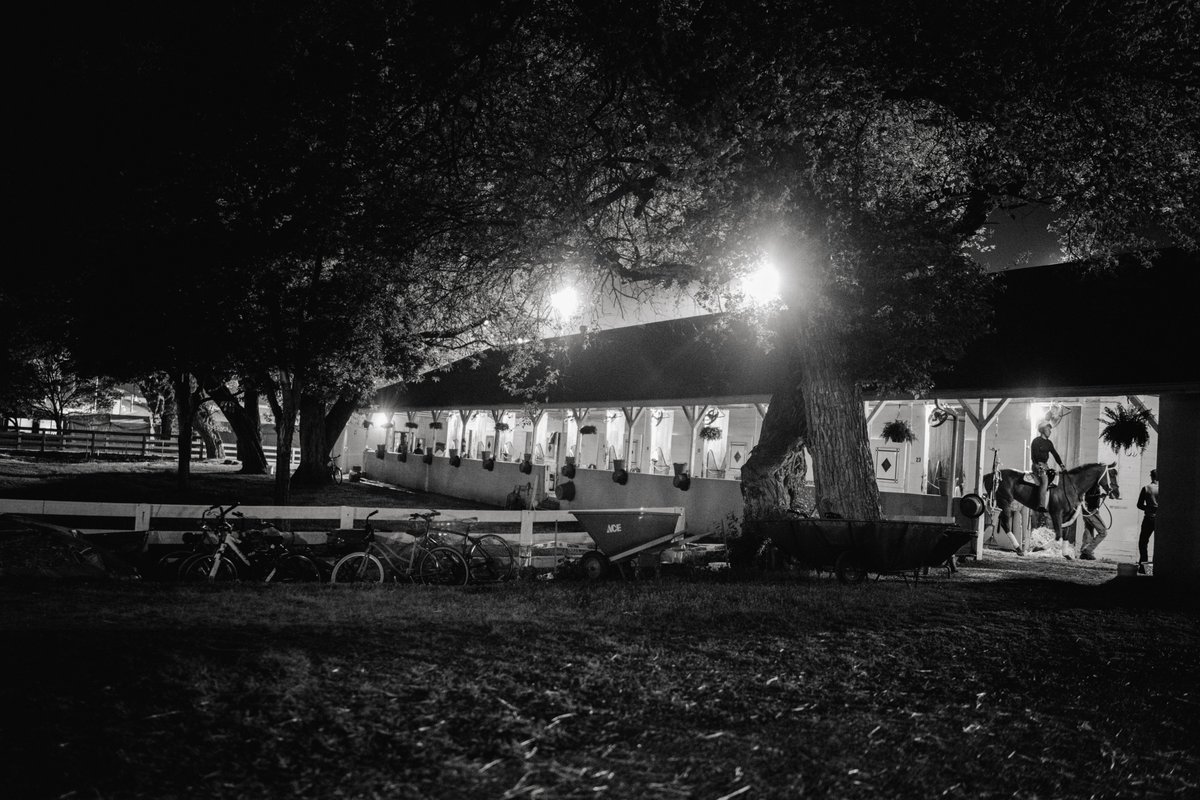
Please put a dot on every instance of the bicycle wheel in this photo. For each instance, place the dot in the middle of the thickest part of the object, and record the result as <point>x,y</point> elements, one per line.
<point>185,565</point>
<point>357,568</point>
<point>167,567</point>
<point>442,566</point>
<point>490,559</point>
<point>295,568</point>
<point>201,569</point>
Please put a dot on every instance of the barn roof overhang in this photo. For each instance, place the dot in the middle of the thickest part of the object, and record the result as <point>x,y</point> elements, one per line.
<point>1056,332</point>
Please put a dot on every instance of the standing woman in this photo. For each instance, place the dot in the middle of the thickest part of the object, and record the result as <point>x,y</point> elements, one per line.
<point>1040,450</point>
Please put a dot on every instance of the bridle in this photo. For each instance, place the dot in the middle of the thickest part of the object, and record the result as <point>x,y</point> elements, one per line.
<point>1103,488</point>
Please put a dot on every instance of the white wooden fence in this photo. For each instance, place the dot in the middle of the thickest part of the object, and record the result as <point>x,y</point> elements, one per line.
<point>166,524</point>
<point>100,443</point>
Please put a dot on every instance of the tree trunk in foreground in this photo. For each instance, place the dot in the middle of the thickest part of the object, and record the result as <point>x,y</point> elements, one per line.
<point>843,472</point>
<point>774,474</point>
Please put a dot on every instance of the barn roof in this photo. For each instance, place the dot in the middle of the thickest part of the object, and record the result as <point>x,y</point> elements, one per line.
<point>1057,332</point>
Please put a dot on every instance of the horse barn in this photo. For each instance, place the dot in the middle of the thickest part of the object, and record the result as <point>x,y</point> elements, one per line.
<point>636,408</point>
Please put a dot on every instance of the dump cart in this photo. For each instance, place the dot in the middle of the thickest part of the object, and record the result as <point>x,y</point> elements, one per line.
<point>853,548</point>
<point>622,534</point>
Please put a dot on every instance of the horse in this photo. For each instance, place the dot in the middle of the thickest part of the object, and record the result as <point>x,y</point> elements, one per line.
<point>1066,496</point>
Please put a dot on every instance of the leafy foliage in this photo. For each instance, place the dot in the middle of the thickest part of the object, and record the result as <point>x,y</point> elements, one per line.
<point>898,431</point>
<point>710,433</point>
<point>1126,428</point>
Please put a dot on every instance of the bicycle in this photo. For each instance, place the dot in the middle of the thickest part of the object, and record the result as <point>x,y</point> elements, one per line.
<point>422,563</point>
<point>201,542</point>
<point>266,557</point>
<point>489,558</point>
<point>335,471</point>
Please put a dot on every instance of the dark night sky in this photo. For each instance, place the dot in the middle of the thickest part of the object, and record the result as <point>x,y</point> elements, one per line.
<point>1021,240</point>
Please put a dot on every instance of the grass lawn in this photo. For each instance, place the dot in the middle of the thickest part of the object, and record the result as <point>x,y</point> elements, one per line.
<point>155,481</point>
<point>949,688</point>
<point>1012,678</point>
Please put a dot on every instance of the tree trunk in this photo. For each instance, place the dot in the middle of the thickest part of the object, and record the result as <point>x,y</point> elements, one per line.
<point>246,423</point>
<point>206,427</point>
<point>169,411</point>
<point>181,383</point>
<point>838,440</point>
<point>773,476</point>
<point>314,447</point>
<point>285,405</point>
<point>319,430</point>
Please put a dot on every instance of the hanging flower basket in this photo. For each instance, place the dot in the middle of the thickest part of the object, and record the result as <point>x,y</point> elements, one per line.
<point>411,425</point>
<point>586,429</point>
<point>437,426</point>
<point>1126,428</point>
<point>501,426</point>
<point>898,431</point>
<point>710,433</point>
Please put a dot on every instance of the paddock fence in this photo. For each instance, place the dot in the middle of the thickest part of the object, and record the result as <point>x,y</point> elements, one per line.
<point>531,532</point>
<point>93,444</point>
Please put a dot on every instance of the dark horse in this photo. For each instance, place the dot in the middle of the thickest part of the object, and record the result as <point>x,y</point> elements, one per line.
<point>1066,495</point>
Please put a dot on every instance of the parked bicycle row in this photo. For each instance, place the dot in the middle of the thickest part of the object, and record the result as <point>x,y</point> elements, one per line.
<point>431,552</point>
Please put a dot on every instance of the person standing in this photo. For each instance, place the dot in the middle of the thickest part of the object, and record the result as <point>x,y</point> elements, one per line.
<point>1147,503</point>
<point>1094,530</point>
<point>1040,450</point>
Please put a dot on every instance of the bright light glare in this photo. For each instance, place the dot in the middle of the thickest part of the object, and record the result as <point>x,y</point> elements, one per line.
<point>379,419</point>
<point>565,301</point>
<point>762,285</point>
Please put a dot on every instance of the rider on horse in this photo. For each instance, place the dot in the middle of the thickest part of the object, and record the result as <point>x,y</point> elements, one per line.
<point>1040,450</point>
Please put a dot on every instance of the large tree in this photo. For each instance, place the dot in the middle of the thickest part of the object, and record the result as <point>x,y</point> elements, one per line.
<point>862,149</point>
<point>309,198</point>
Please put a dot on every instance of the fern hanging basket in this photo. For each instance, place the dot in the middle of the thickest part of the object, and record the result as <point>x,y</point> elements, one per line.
<point>501,426</point>
<point>898,431</point>
<point>586,429</point>
<point>710,433</point>
<point>437,426</point>
<point>1126,429</point>
<point>411,425</point>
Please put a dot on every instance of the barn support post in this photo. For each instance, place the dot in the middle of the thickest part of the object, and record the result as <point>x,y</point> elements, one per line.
<point>981,421</point>
<point>1175,544</point>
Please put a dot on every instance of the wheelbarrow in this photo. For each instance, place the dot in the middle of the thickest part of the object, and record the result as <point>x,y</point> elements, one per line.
<point>622,534</point>
<point>853,548</point>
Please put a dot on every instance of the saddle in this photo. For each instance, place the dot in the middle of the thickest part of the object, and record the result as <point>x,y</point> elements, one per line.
<point>1031,479</point>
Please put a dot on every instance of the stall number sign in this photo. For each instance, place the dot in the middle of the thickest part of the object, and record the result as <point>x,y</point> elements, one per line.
<point>614,527</point>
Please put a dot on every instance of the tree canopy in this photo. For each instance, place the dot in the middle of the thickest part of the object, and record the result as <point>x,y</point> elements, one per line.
<point>322,197</point>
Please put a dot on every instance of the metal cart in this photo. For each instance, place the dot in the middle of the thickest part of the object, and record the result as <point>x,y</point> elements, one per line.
<point>623,534</point>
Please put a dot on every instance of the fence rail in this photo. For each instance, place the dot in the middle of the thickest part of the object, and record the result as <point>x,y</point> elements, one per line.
<point>94,443</point>
<point>166,524</point>
<point>111,443</point>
